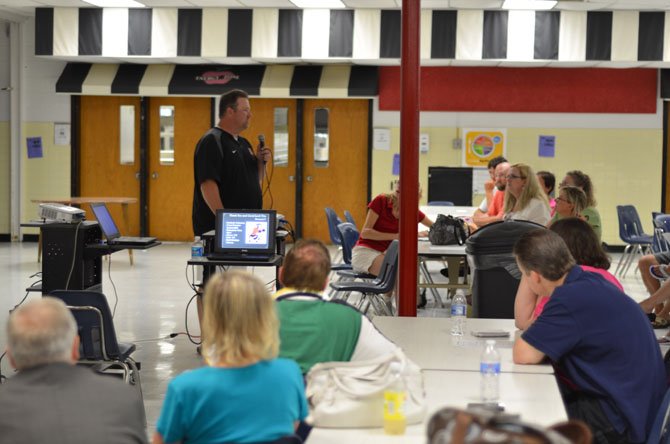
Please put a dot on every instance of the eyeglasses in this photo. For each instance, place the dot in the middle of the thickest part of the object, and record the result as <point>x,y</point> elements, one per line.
<point>512,176</point>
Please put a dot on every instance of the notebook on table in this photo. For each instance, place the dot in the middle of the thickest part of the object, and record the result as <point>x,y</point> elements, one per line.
<point>245,235</point>
<point>111,231</point>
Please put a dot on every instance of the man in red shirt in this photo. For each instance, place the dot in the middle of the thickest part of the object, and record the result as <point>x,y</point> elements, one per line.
<point>495,211</point>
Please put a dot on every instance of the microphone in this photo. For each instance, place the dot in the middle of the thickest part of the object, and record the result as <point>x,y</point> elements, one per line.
<point>261,143</point>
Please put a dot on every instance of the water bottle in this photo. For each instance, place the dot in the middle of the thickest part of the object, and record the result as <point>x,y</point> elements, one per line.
<point>395,420</point>
<point>489,369</point>
<point>197,249</point>
<point>458,314</point>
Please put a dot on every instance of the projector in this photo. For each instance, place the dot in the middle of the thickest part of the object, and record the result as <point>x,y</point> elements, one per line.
<point>61,213</point>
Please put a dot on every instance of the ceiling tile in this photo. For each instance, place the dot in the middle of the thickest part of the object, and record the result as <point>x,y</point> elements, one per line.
<point>361,4</point>
<point>167,3</point>
<point>267,3</point>
<point>476,4</point>
<point>582,6</point>
<point>61,3</point>
<point>215,3</point>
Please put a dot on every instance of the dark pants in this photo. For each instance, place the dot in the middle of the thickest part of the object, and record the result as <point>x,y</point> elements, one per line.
<point>588,409</point>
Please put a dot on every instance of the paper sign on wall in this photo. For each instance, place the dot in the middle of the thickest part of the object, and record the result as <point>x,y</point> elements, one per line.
<point>61,134</point>
<point>547,146</point>
<point>34,147</point>
<point>482,145</point>
<point>381,139</point>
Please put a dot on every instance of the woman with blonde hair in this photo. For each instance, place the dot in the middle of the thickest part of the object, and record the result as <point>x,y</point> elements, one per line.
<point>571,201</point>
<point>524,199</point>
<point>590,214</point>
<point>244,393</point>
<point>379,230</point>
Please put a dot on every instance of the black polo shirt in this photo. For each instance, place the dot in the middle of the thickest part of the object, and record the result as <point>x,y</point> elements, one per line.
<point>234,167</point>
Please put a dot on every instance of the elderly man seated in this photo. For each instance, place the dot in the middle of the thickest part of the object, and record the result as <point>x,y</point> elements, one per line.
<point>50,399</point>
<point>314,330</point>
<point>604,351</point>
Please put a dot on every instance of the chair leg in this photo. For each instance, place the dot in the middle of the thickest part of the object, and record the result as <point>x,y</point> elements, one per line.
<point>622,259</point>
<point>634,253</point>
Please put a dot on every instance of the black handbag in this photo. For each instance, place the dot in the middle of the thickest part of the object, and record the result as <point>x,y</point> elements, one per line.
<point>448,230</point>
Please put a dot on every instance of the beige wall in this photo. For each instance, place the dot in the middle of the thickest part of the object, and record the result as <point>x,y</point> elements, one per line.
<point>624,164</point>
<point>46,177</point>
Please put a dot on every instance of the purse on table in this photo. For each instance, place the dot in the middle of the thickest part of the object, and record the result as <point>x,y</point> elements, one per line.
<point>477,426</point>
<point>351,394</point>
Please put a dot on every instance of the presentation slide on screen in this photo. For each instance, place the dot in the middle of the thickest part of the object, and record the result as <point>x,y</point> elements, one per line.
<point>245,230</point>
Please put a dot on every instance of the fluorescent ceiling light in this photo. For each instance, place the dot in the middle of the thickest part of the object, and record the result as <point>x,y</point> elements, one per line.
<point>115,3</point>
<point>318,4</point>
<point>537,5</point>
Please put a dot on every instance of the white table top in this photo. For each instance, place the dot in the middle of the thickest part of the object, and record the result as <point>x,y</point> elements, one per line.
<point>428,342</point>
<point>425,248</point>
<point>432,212</point>
<point>533,396</point>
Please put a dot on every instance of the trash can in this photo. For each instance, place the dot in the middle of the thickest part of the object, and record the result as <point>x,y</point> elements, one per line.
<point>495,273</point>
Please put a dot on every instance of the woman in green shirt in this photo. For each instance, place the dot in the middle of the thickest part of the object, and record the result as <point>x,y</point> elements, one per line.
<point>581,180</point>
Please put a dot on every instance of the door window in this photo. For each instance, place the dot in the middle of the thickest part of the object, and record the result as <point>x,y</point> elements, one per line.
<point>166,113</point>
<point>127,134</point>
<point>321,139</point>
<point>281,137</point>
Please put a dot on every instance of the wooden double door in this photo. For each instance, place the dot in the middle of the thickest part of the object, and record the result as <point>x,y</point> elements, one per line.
<point>303,182</point>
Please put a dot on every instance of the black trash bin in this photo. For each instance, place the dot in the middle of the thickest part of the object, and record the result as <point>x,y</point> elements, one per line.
<point>495,274</point>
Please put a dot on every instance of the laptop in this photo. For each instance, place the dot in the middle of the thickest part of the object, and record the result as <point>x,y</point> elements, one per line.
<point>245,235</point>
<point>110,230</point>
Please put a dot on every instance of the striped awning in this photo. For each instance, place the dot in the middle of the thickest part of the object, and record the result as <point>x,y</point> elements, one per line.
<point>268,81</point>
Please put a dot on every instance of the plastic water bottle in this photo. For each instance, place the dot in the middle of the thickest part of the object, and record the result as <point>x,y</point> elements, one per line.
<point>458,314</point>
<point>395,421</point>
<point>489,369</point>
<point>197,249</point>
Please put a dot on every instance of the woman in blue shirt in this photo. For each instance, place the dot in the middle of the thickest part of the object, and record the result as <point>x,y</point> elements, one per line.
<point>245,393</point>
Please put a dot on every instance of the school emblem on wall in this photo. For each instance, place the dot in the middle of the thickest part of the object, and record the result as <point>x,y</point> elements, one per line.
<point>482,145</point>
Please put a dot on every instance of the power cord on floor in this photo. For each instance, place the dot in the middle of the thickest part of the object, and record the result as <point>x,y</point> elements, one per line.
<point>3,378</point>
<point>188,332</point>
<point>74,255</point>
<point>109,275</point>
<point>163,338</point>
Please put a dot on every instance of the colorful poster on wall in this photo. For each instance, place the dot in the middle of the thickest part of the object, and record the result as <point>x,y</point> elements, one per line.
<point>482,145</point>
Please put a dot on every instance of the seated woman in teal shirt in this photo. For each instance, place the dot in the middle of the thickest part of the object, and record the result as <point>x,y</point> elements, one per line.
<point>245,393</point>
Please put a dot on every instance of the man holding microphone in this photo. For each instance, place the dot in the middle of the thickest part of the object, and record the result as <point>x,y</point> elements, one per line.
<point>227,171</point>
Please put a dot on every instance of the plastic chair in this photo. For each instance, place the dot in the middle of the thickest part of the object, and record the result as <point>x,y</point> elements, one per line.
<point>631,232</point>
<point>659,430</point>
<point>335,238</point>
<point>347,245</point>
<point>349,234</point>
<point>372,291</point>
<point>440,203</point>
<point>349,218</point>
<point>99,347</point>
<point>661,244</point>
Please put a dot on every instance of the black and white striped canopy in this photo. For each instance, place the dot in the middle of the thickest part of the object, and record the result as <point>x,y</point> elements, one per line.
<point>361,36</point>
<point>331,81</point>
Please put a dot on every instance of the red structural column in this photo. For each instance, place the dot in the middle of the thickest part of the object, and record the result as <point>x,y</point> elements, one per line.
<point>409,156</point>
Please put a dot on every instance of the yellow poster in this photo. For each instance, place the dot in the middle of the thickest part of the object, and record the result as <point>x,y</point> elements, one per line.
<point>482,145</point>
